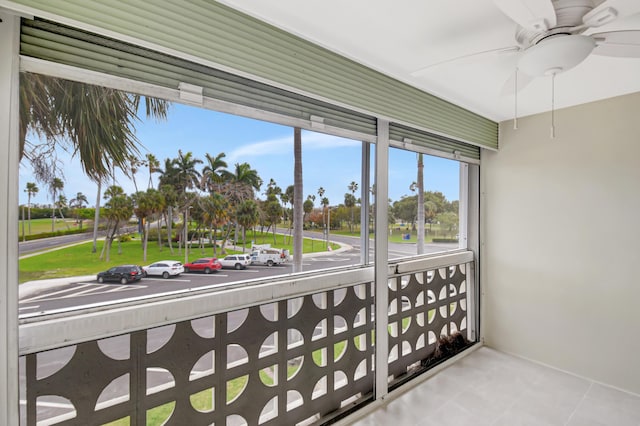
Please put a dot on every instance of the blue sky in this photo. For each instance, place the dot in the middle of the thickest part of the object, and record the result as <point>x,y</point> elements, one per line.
<point>328,161</point>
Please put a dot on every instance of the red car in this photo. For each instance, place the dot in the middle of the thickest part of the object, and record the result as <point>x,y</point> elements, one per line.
<point>206,265</point>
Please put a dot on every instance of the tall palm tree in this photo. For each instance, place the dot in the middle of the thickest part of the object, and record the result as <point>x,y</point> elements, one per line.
<point>243,182</point>
<point>93,122</point>
<point>56,185</point>
<point>321,194</point>
<point>31,190</point>
<point>298,208</point>
<point>77,204</point>
<point>154,167</point>
<point>187,177</point>
<point>353,187</point>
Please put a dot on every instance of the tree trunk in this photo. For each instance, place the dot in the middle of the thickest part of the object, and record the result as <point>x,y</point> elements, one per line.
<point>29,213</point>
<point>420,182</point>
<point>298,208</point>
<point>96,219</point>
<point>170,228</point>
<point>159,227</point>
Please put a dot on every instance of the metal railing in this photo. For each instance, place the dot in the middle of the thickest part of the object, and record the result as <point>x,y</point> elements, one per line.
<point>292,351</point>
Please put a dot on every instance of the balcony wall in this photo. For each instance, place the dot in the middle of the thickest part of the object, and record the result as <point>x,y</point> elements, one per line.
<point>560,221</point>
<point>299,350</point>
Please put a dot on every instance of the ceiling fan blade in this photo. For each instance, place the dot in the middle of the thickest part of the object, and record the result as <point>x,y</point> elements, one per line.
<point>535,15</point>
<point>610,10</point>
<point>622,44</point>
<point>468,58</point>
<point>509,87</point>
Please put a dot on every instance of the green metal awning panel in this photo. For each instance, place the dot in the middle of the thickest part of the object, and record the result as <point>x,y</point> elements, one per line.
<point>208,33</point>
<point>61,44</point>
<point>451,148</point>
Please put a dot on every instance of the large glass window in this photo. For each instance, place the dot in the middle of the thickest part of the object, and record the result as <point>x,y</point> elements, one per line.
<point>438,179</point>
<point>183,184</point>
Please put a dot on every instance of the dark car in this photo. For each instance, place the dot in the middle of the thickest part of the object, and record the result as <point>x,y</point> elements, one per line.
<point>123,274</point>
<point>206,265</point>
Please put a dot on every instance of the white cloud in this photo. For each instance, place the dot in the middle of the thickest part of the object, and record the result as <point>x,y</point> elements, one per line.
<point>284,146</point>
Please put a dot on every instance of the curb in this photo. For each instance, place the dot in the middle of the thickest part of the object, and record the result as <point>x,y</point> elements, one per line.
<point>31,288</point>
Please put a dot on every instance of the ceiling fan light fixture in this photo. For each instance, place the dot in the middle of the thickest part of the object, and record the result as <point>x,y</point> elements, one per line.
<point>556,54</point>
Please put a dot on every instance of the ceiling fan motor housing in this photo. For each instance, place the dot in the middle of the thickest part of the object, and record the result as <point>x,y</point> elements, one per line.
<point>555,54</point>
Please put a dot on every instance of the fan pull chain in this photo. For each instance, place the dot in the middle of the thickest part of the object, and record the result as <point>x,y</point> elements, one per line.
<point>553,112</point>
<point>515,112</point>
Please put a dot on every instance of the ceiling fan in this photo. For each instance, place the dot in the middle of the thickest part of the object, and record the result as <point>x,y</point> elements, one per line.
<point>554,36</point>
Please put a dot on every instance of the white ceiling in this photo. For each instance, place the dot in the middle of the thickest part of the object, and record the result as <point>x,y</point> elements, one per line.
<point>402,37</point>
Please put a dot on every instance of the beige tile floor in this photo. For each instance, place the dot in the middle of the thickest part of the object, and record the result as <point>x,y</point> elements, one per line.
<point>491,388</point>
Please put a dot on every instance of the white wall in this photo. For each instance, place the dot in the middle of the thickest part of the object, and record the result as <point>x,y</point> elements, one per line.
<point>561,241</point>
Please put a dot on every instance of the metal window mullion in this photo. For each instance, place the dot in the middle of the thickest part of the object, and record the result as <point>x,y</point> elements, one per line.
<point>364,203</point>
<point>473,244</point>
<point>463,206</point>
<point>381,261</point>
<point>9,163</point>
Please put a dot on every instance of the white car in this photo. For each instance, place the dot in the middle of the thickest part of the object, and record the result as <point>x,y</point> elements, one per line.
<point>164,268</point>
<point>236,261</point>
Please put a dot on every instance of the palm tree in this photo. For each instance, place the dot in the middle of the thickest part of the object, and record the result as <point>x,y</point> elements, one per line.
<point>241,186</point>
<point>94,122</point>
<point>154,166</point>
<point>298,212</point>
<point>56,185</point>
<point>134,165</point>
<point>78,203</point>
<point>170,200</point>
<point>247,216</point>
<point>144,207</point>
<point>325,204</point>
<point>96,219</point>
<point>320,194</point>
<point>272,212</point>
<point>187,177</point>
<point>214,173</point>
<point>31,190</point>
<point>244,175</point>
<point>353,187</point>
<point>216,213</point>
<point>118,209</point>
<point>350,202</point>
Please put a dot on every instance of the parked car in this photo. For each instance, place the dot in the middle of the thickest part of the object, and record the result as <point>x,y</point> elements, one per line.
<point>124,274</point>
<point>164,268</point>
<point>236,261</point>
<point>206,265</point>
